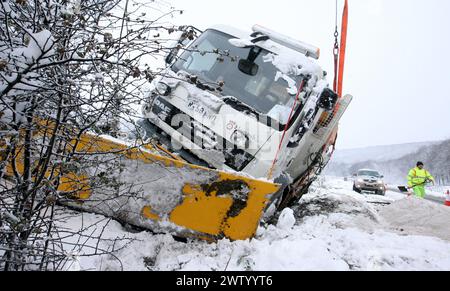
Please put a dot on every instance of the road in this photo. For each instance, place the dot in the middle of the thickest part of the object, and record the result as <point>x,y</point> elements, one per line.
<point>439,200</point>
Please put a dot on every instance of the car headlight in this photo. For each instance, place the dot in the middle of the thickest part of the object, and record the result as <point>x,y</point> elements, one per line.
<point>380,181</point>
<point>360,180</point>
<point>163,89</point>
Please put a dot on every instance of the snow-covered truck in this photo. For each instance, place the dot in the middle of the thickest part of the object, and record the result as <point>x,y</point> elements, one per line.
<point>255,103</point>
<point>238,125</point>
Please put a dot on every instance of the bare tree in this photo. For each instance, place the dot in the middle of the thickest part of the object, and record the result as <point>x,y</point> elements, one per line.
<point>66,67</point>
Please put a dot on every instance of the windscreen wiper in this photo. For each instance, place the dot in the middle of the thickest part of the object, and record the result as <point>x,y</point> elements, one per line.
<point>240,106</point>
<point>201,84</point>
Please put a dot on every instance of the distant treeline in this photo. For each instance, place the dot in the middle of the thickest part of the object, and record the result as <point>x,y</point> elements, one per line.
<point>436,158</point>
<point>442,180</point>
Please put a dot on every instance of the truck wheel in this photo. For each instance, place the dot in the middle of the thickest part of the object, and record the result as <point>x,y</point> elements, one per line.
<point>356,189</point>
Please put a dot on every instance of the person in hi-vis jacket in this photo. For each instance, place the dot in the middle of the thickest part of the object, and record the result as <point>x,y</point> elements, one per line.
<point>418,178</point>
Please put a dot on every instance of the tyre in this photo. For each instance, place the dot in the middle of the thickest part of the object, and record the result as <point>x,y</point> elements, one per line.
<point>356,189</point>
<point>382,193</point>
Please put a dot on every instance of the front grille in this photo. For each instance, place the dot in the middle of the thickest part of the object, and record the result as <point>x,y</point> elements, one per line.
<point>235,158</point>
<point>370,181</point>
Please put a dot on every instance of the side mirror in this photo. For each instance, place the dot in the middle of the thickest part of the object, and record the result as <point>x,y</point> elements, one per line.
<point>355,175</point>
<point>327,99</point>
<point>171,56</point>
<point>381,176</point>
<point>189,34</point>
<point>183,41</point>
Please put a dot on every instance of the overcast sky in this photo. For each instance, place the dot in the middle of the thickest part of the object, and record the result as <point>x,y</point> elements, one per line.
<point>398,58</point>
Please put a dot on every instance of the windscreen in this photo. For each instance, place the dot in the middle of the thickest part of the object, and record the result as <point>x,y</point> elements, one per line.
<point>214,59</point>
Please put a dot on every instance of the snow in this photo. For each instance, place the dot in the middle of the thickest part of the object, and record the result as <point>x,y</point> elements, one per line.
<point>292,89</point>
<point>280,113</point>
<point>241,43</point>
<point>72,7</point>
<point>286,60</point>
<point>289,42</point>
<point>38,51</point>
<point>286,220</point>
<point>6,7</point>
<point>198,96</point>
<point>419,217</point>
<point>214,157</point>
<point>40,46</point>
<point>139,177</point>
<point>290,62</point>
<point>99,77</point>
<point>437,192</point>
<point>8,113</point>
<point>331,229</point>
<point>175,38</point>
<point>320,86</point>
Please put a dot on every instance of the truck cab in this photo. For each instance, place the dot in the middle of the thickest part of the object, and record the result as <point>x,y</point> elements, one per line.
<point>252,102</point>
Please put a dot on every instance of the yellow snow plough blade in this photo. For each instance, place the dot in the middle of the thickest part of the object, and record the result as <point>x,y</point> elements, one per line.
<point>164,194</point>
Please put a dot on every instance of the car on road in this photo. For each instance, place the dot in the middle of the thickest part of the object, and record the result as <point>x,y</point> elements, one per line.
<point>366,180</point>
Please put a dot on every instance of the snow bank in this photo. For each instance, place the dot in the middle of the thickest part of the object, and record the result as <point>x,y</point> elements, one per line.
<point>418,216</point>
<point>331,229</point>
<point>437,192</point>
<point>324,243</point>
<point>286,220</point>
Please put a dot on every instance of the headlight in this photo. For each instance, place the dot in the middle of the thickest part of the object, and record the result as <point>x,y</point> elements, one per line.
<point>163,89</point>
<point>380,181</point>
<point>360,180</point>
<point>240,139</point>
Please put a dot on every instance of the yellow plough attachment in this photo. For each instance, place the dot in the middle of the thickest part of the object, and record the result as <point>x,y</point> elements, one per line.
<point>161,193</point>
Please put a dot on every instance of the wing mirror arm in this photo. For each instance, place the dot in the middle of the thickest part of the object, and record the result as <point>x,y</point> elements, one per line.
<point>189,34</point>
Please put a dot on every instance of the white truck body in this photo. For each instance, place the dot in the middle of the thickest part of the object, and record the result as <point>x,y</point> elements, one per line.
<point>227,132</point>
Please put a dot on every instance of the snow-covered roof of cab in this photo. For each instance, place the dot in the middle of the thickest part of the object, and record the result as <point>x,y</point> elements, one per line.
<point>278,38</point>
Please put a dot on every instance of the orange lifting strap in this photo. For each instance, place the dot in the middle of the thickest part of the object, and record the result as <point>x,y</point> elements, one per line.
<point>342,50</point>
<point>339,57</point>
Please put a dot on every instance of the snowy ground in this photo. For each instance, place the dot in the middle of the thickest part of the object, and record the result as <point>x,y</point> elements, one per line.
<point>332,229</point>
<point>433,193</point>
